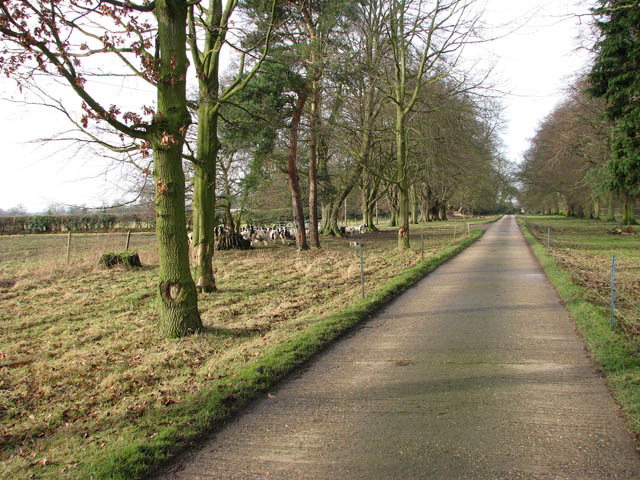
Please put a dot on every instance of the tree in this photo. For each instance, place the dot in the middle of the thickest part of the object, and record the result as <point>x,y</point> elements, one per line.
<point>354,111</point>
<point>425,36</point>
<point>615,76</point>
<point>215,20</point>
<point>565,169</point>
<point>305,37</point>
<point>63,38</point>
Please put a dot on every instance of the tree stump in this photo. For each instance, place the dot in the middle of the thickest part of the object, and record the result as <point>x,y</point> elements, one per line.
<point>231,241</point>
<point>128,259</point>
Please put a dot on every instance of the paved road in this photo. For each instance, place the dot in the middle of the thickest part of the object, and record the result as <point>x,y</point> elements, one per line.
<point>474,373</point>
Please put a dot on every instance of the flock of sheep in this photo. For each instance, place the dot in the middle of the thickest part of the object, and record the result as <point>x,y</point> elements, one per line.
<point>286,235</point>
<point>264,235</point>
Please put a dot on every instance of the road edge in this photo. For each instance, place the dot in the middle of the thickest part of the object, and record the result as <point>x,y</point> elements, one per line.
<point>616,358</point>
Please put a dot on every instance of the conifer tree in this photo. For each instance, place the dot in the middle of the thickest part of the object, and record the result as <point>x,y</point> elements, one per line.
<point>615,76</point>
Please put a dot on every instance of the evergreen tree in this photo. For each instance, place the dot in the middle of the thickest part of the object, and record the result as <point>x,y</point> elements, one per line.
<point>615,76</point>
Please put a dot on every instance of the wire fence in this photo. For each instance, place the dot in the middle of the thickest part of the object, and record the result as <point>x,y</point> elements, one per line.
<point>593,269</point>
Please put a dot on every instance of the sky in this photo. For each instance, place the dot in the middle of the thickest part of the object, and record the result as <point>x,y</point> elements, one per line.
<point>535,52</point>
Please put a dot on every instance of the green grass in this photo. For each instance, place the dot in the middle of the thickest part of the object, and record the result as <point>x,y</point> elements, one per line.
<point>576,265</point>
<point>585,249</point>
<point>88,388</point>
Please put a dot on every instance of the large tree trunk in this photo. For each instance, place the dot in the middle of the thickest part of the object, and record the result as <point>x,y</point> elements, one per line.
<point>442,211</point>
<point>177,292</point>
<point>204,194</point>
<point>204,184</point>
<point>292,170</point>
<point>392,196</point>
<point>414,205</point>
<point>611,207</point>
<point>369,197</point>
<point>325,212</point>
<point>313,162</point>
<point>596,208</point>
<point>563,206</point>
<point>629,210</point>
<point>369,218</point>
<point>403,181</point>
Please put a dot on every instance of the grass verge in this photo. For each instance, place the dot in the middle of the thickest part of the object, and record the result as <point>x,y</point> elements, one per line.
<point>186,422</point>
<point>615,352</point>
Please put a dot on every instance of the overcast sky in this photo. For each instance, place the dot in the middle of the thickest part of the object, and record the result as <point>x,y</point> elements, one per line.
<point>534,62</point>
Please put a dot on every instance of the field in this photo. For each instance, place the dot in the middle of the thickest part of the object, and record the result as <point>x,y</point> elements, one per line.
<point>585,249</point>
<point>87,382</point>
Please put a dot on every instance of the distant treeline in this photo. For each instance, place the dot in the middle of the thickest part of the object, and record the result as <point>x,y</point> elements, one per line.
<point>97,222</point>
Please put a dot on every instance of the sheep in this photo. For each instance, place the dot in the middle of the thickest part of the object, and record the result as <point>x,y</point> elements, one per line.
<point>279,234</point>
<point>351,230</point>
<point>247,232</point>
<point>260,235</point>
<point>289,233</point>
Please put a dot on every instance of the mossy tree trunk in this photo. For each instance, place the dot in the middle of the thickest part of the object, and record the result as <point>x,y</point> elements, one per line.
<point>392,197</point>
<point>414,205</point>
<point>442,211</point>
<point>178,301</point>
<point>629,210</point>
<point>369,195</point>
<point>611,207</point>
<point>204,194</point>
<point>207,65</point>
<point>596,208</point>
<point>204,183</point>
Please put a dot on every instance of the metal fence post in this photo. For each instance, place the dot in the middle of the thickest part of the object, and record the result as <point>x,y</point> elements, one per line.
<point>422,241</point>
<point>126,248</point>
<point>548,238</point>
<point>613,291</point>
<point>361,270</point>
<point>68,247</point>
